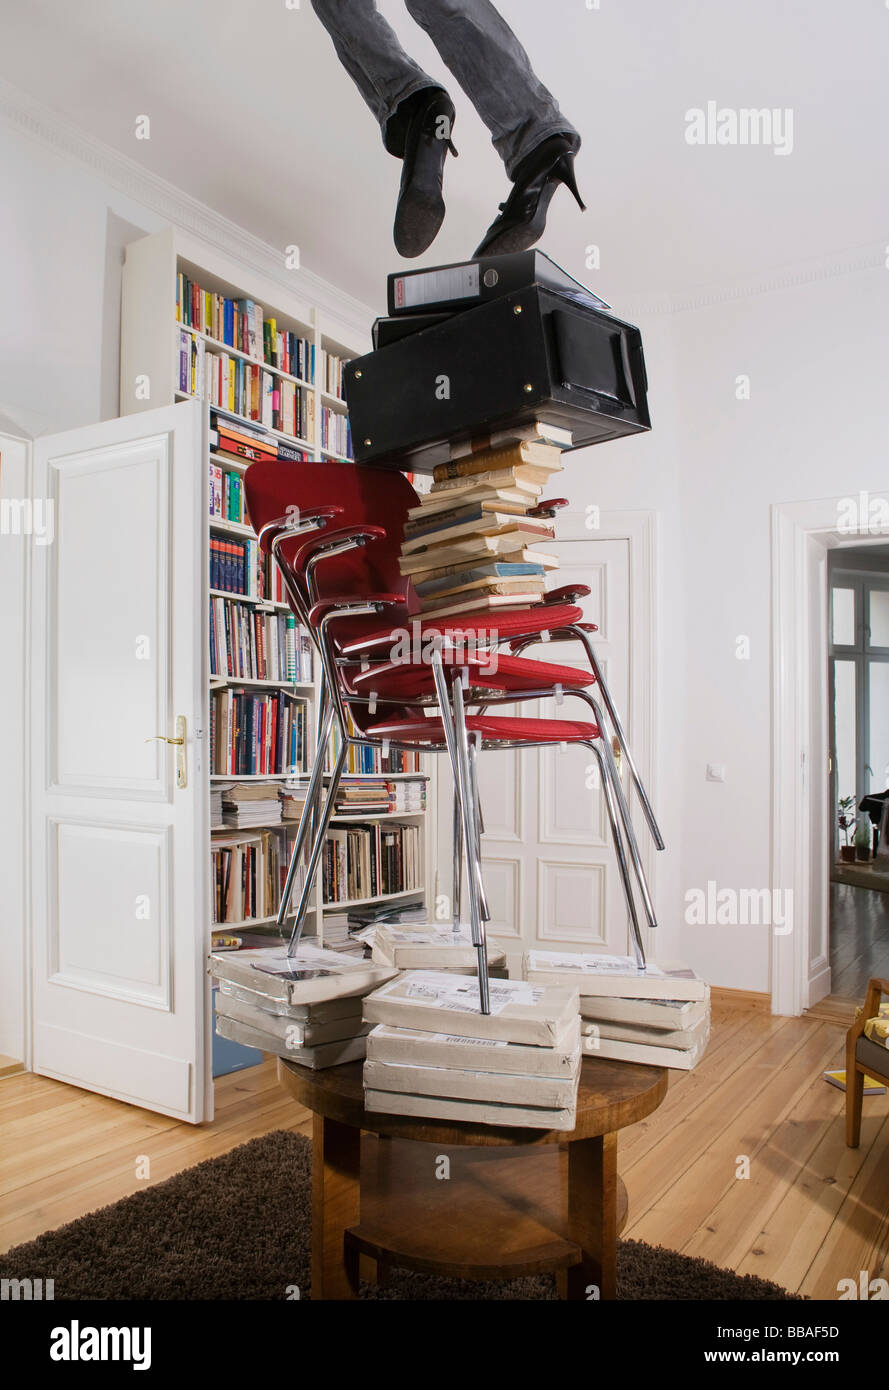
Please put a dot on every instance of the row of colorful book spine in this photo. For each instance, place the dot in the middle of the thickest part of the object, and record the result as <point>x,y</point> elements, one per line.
<point>253,734</point>
<point>364,758</point>
<point>369,861</point>
<point>237,567</point>
<point>251,645</point>
<point>243,324</point>
<point>336,433</point>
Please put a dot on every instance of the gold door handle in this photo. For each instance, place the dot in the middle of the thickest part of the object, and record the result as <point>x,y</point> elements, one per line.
<point>179,743</point>
<point>615,744</point>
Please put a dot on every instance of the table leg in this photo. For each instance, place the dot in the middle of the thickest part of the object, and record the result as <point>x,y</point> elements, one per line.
<point>336,1200</point>
<point>592,1218</point>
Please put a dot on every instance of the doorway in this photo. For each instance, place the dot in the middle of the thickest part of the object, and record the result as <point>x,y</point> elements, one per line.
<point>858,704</point>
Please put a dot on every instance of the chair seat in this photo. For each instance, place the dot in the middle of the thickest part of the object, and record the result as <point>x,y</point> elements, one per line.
<point>874,1057</point>
<point>404,681</point>
<point>497,728</point>
<point>475,629</point>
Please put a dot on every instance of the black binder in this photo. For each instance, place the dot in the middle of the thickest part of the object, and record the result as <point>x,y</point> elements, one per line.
<point>527,355</point>
<point>467,284</point>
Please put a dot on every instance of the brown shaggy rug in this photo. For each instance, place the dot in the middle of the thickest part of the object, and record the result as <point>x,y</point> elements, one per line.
<point>238,1227</point>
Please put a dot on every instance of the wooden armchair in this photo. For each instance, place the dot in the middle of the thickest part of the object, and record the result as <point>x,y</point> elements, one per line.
<point>863,1057</point>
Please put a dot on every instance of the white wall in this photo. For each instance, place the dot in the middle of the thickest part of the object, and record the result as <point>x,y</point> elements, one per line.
<point>815,426</point>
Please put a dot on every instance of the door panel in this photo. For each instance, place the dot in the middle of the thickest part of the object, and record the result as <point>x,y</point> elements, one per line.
<point>549,864</point>
<point>121,914</point>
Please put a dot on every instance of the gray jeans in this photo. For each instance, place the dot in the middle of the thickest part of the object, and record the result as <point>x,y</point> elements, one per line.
<point>477,45</point>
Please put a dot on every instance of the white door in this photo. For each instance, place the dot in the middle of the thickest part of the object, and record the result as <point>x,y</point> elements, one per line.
<point>120,893</point>
<point>549,866</point>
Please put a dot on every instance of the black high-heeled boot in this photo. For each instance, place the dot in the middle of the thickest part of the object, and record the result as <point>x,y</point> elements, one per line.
<point>420,210</point>
<point>522,217</point>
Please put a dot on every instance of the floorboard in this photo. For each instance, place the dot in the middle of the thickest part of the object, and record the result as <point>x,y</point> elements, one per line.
<point>810,1213</point>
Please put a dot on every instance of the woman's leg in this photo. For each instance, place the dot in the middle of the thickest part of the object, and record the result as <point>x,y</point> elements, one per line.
<point>369,50</point>
<point>493,69</point>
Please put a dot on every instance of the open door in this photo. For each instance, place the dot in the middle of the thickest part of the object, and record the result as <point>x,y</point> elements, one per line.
<point>120,818</point>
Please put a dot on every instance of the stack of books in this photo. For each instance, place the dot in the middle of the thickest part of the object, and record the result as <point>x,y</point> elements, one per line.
<point>306,1007</point>
<point>659,1016</point>
<point>430,946</point>
<point>216,821</point>
<point>338,936</point>
<point>471,542</point>
<point>247,804</point>
<point>434,1053</point>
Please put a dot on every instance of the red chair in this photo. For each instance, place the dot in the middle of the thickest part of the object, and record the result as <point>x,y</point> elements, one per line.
<point>342,576</point>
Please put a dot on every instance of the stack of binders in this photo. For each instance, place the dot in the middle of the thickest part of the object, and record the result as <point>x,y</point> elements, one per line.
<point>434,1054</point>
<point>659,1016</point>
<point>430,946</point>
<point>306,1007</point>
<point>471,543</point>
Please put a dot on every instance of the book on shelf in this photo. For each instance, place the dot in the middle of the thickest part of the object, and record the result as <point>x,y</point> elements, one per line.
<point>370,861</point>
<point>336,432</point>
<point>364,758</point>
<point>251,804</point>
<point>249,644</point>
<point>330,368</point>
<point>246,876</point>
<point>236,566</point>
<point>243,324</point>
<point>258,733</point>
<point>250,443</point>
<point>593,974</point>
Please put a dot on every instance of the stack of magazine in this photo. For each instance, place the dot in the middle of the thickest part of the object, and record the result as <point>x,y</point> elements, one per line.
<point>659,1016</point>
<point>306,1007</point>
<point>433,1053</point>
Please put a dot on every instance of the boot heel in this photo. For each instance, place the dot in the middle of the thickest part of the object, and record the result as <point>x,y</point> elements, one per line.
<point>565,173</point>
<point>453,149</point>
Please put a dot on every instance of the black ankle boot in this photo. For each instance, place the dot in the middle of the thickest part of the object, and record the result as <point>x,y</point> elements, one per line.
<point>420,211</point>
<point>522,217</point>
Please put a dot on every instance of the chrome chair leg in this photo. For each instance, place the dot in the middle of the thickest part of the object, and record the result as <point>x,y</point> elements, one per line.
<point>318,845</point>
<point>613,715</point>
<point>480,827</point>
<point>626,819</point>
<point>307,819</point>
<point>611,807</point>
<point>461,782</point>
<point>473,864</point>
<point>458,859</point>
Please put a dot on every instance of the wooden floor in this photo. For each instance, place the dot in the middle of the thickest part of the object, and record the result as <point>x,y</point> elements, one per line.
<point>859,938</point>
<point>811,1212</point>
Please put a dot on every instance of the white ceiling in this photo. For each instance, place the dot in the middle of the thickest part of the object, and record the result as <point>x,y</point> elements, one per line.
<point>252,114</point>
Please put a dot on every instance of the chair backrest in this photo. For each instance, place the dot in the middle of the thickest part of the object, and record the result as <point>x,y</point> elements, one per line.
<point>367,496</point>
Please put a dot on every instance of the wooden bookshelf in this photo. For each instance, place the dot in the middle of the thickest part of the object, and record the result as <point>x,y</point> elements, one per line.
<point>150,336</point>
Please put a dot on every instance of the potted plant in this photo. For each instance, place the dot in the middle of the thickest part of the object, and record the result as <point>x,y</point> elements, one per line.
<point>863,838</point>
<point>845,820</point>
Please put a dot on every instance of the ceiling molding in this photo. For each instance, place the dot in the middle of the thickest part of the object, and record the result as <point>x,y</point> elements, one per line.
<point>33,118</point>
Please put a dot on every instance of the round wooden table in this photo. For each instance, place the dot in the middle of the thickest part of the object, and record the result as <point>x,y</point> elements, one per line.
<point>464,1200</point>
